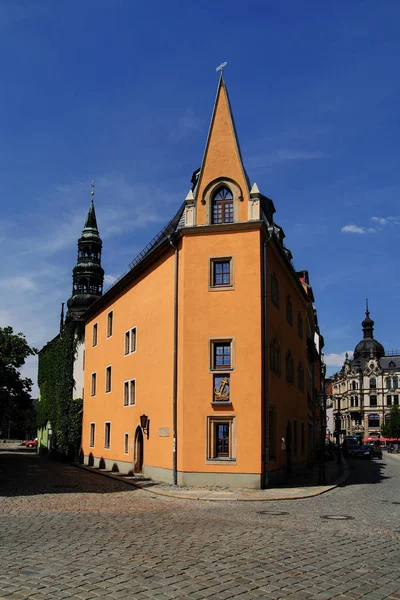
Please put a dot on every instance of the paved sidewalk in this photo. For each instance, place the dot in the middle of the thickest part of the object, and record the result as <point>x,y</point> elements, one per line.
<point>302,485</point>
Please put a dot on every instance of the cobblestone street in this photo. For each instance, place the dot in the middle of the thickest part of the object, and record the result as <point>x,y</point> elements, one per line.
<point>67,533</point>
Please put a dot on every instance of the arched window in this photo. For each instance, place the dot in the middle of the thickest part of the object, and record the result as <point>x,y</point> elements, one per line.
<point>289,367</point>
<point>222,206</point>
<point>275,356</point>
<point>289,310</point>
<point>395,382</point>
<point>356,401</point>
<point>299,325</point>
<point>274,289</point>
<point>388,383</point>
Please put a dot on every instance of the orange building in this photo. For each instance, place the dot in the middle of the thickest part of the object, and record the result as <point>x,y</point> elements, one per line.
<point>197,361</point>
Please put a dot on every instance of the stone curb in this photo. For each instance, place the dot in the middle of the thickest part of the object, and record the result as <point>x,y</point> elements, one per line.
<point>181,496</point>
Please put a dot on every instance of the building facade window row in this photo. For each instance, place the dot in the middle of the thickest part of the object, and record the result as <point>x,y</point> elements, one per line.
<point>275,365</point>
<point>289,306</point>
<point>107,437</point>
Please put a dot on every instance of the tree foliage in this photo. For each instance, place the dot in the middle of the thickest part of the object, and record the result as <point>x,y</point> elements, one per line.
<point>56,382</point>
<point>16,410</point>
<point>392,425</point>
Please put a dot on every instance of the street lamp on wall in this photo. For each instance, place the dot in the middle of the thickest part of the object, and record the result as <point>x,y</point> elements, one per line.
<point>144,423</point>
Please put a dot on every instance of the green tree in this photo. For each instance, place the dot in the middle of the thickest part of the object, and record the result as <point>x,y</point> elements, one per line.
<point>16,411</point>
<point>392,425</point>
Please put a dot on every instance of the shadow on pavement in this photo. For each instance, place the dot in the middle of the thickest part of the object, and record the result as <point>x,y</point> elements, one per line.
<point>362,472</point>
<point>27,474</point>
<point>366,471</point>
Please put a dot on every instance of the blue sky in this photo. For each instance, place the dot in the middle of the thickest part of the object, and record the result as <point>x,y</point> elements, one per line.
<point>122,91</point>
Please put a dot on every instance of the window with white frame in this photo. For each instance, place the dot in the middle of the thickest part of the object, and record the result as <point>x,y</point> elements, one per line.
<point>93,385</point>
<point>94,336</point>
<point>126,443</point>
<point>130,392</point>
<point>108,379</point>
<point>92,434</point>
<point>130,341</point>
<point>110,323</point>
<point>107,434</point>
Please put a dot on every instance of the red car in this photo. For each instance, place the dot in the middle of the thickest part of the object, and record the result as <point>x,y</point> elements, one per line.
<point>31,444</point>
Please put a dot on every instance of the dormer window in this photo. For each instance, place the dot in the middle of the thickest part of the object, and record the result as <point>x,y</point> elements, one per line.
<point>222,206</point>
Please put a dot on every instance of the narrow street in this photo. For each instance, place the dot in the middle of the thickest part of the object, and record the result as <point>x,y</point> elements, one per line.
<point>67,533</point>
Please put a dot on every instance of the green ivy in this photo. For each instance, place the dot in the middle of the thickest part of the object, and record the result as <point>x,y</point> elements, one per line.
<point>56,383</point>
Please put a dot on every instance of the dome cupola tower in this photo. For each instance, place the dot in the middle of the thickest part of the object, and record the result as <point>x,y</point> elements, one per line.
<point>368,345</point>
<point>87,275</point>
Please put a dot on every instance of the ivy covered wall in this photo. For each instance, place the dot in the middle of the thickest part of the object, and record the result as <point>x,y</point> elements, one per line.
<point>56,384</point>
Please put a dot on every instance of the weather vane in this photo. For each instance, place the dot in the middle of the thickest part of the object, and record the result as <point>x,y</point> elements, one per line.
<point>92,186</point>
<point>221,67</point>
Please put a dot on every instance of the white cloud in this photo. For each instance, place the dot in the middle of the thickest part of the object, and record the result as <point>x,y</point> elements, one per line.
<point>380,220</point>
<point>18,283</point>
<point>110,279</point>
<point>386,220</point>
<point>336,360</point>
<point>352,229</point>
<point>187,124</point>
<point>277,157</point>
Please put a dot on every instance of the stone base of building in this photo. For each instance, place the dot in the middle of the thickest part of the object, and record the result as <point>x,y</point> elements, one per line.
<point>186,479</point>
<point>197,479</point>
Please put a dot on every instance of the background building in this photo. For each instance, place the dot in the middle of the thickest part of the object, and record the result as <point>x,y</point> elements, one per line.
<point>60,369</point>
<point>367,386</point>
<point>201,363</point>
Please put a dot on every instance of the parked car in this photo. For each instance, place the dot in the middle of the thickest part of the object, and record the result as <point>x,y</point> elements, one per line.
<point>31,443</point>
<point>350,446</point>
<point>364,451</point>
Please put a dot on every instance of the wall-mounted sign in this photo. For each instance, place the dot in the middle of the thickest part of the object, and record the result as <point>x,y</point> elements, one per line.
<point>163,432</point>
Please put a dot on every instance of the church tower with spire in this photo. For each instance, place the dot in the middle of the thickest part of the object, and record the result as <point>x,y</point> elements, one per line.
<point>87,275</point>
<point>60,369</point>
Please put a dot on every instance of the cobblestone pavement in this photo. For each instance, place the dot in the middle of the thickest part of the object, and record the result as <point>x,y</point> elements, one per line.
<point>67,533</point>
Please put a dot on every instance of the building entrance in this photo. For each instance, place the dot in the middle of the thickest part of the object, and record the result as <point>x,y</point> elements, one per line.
<point>138,451</point>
